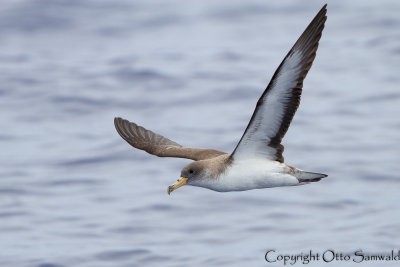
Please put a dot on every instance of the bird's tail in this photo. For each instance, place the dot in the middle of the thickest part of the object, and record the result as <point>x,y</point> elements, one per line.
<point>308,177</point>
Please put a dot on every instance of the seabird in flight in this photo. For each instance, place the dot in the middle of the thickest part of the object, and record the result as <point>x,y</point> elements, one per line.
<point>257,160</point>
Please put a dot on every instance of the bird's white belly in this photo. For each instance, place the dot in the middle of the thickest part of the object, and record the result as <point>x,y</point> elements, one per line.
<point>252,174</point>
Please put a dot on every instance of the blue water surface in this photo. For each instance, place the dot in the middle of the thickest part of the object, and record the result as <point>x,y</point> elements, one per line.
<point>73,193</point>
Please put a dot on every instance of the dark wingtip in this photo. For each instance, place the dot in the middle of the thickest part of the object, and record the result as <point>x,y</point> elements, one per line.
<point>117,119</point>
<point>116,122</point>
<point>323,8</point>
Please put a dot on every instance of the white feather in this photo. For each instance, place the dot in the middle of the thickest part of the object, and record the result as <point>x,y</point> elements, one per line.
<point>268,118</point>
<point>250,174</point>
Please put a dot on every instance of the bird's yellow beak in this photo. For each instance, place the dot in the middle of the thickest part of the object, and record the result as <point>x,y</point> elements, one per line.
<point>181,181</point>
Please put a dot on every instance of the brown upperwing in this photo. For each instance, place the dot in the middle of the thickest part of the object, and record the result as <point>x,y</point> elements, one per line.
<point>158,145</point>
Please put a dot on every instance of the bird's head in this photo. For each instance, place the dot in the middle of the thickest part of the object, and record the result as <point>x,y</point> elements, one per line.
<point>190,175</point>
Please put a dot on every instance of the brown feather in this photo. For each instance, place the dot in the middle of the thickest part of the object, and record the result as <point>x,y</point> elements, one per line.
<point>158,145</point>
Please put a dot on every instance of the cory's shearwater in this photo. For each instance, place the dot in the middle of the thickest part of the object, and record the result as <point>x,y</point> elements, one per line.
<point>257,160</point>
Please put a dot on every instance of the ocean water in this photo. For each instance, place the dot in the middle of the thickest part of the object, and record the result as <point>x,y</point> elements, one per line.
<point>73,193</point>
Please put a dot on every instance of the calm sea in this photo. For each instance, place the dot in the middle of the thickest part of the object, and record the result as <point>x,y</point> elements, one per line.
<point>73,193</point>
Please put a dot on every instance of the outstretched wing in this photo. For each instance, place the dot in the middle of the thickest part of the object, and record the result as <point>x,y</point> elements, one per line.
<point>277,105</point>
<point>158,145</point>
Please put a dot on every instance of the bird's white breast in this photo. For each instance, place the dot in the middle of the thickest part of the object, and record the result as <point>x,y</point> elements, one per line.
<point>251,174</point>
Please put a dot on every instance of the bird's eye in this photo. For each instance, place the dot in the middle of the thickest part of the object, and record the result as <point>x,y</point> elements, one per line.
<point>191,171</point>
